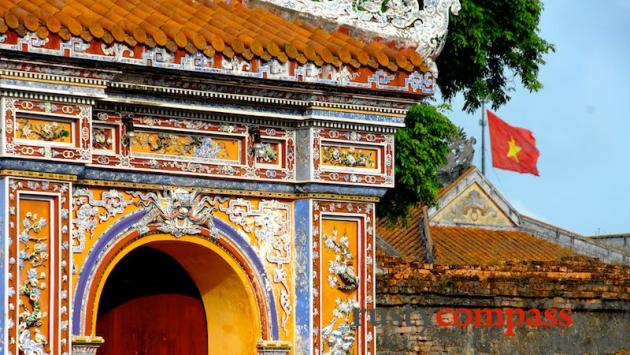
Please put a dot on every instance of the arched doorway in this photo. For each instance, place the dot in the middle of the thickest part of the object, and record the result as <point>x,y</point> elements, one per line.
<point>147,312</point>
<point>227,288</point>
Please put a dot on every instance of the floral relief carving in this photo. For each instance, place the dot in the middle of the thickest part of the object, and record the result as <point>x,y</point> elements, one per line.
<point>38,263</point>
<point>49,131</point>
<point>267,154</point>
<point>34,254</point>
<point>31,130</point>
<point>349,157</point>
<point>342,274</point>
<point>270,224</point>
<point>338,157</point>
<point>340,332</point>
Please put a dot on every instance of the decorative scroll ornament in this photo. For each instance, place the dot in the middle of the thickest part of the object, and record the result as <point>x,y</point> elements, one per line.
<point>177,212</point>
<point>425,28</point>
<point>270,224</point>
<point>341,270</point>
<point>90,212</point>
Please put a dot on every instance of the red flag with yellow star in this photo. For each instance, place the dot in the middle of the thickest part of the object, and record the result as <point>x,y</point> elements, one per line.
<point>513,148</point>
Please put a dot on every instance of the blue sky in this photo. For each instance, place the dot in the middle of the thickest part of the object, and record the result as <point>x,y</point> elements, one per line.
<point>581,120</point>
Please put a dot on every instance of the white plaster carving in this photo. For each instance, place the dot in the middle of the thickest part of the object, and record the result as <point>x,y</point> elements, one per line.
<point>90,212</point>
<point>424,28</point>
<point>270,224</point>
<point>177,212</point>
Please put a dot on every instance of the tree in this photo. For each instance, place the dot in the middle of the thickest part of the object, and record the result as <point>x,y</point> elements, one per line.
<point>421,148</point>
<point>488,44</point>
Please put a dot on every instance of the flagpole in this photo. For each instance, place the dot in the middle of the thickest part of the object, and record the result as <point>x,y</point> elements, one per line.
<point>482,122</point>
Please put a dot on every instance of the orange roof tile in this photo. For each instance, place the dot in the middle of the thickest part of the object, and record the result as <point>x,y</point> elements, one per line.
<point>481,246</point>
<point>206,26</point>
<point>468,245</point>
<point>405,239</point>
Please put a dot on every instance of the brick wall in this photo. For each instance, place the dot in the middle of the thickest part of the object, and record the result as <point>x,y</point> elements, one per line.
<point>597,294</point>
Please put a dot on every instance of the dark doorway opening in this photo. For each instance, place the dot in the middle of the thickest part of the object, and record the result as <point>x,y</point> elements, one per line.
<point>150,305</point>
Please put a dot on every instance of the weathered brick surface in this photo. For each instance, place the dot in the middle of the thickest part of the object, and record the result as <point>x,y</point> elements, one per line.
<point>597,293</point>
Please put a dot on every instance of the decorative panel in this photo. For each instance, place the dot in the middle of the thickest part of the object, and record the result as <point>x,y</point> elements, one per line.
<point>188,147</point>
<point>472,206</point>
<point>47,130</point>
<point>194,147</point>
<point>38,308</point>
<point>341,157</point>
<point>105,139</point>
<point>350,157</point>
<point>343,267</point>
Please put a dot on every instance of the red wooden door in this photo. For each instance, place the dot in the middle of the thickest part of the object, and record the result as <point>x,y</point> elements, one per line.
<point>149,306</point>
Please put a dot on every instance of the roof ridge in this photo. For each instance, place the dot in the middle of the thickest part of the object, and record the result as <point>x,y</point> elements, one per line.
<point>466,172</point>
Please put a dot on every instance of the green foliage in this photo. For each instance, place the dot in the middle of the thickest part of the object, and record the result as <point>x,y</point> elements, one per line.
<point>488,44</point>
<point>421,148</point>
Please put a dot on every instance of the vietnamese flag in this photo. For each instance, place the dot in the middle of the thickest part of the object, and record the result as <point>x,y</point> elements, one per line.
<point>513,148</point>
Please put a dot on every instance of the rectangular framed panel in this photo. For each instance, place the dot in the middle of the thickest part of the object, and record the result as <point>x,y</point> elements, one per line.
<point>38,304</point>
<point>343,274</point>
<point>47,130</point>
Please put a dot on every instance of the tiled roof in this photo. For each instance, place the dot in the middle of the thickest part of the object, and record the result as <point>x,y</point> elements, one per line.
<point>405,239</point>
<point>468,245</point>
<point>207,26</point>
<point>482,246</point>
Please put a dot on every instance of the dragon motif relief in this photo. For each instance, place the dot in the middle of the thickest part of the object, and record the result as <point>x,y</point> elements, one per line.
<point>182,212</point>
<point>194,146</point>
<point>178,212</point>
<point>425,27</point>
